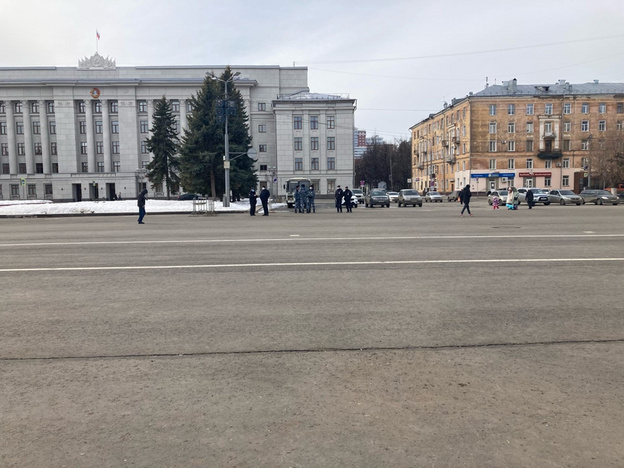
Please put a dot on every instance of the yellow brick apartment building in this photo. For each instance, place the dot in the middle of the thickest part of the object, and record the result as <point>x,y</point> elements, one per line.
<point>520,135</point>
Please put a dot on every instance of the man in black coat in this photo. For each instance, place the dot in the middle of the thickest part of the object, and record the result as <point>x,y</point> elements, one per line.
<point>529,198</point>
<point>465,198</point>
<point>338,195</point>
<point>252,202</point>
<point>141,204</point>
<point>347,194</point>
<point>264,198</point>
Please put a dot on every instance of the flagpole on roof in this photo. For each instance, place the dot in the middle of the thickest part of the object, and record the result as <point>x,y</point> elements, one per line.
<point>97,40</point>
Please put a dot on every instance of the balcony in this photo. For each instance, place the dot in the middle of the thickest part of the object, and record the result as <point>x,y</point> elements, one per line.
<point>455,140</point>
<point>450,159</point>
<point>420,166</point>
<point>549,155</point>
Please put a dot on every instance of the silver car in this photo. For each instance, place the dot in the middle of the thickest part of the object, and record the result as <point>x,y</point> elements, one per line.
<point>359,194</point>
<point>539,195</point>
<point>394,196</point>
<point>433,197</point>
<point>599,197</point>
<point>409,197</point>
<point>564,197</point>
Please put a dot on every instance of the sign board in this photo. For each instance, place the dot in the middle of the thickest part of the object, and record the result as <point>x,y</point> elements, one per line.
<point>23,181</point>
<point>409,181</point>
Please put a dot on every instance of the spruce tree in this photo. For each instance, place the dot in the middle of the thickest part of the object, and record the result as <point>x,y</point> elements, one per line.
<point>163,144</point>
<point>203,143</point>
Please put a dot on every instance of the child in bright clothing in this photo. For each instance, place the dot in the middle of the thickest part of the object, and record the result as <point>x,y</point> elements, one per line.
<point>495,202</point>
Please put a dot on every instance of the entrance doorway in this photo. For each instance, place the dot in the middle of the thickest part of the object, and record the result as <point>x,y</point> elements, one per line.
<point>110,192</point>
<point>549,145</point>
<point>77,192</point>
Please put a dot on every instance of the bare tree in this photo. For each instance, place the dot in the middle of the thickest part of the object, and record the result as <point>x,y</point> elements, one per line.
<point>606,158</point>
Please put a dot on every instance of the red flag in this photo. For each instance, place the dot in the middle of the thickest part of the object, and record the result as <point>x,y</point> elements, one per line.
<point>97,34</point>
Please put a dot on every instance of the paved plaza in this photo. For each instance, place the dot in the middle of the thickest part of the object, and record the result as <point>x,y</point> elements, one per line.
<point>403,337</point>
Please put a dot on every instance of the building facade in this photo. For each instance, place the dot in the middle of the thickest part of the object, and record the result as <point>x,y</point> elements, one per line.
<point>76,133</point>
<point>520,135</point>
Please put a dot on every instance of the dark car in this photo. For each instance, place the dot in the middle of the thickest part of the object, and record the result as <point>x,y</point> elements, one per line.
<point>190,196</point>
<point>599,197</point>
<point>377,197</point>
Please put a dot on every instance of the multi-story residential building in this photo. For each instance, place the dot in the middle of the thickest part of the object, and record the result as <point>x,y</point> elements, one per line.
<point>74,133</point>
<point>359,143</point>
<point>521,135</point>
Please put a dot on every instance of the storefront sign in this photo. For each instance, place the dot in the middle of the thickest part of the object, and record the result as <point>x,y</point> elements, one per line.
<point>535,174</point>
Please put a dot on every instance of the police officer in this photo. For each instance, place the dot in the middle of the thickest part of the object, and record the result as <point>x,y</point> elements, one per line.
<point>303,196</point>
<point>347,194</point>
<point>311,195</point>
<point>338,196</point>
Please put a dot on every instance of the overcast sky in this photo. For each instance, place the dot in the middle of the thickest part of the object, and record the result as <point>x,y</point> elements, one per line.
<point>400,59</point>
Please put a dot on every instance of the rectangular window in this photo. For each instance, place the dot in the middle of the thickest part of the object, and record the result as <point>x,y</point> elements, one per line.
<point>21,168</point>
<point>84,166</point>
<point>548,128</point>
<point>52,126</point>
<point>142,106</point>
<point>17,107</point>
<point>144,147</point>
<point>97,107</point>
<point>189,107</point>
<point>48,189</point>
<point>585,108</point>
<point>529,109</point>
<point>511,145</point>
<point>37,148</point>
<point>6,168</point>
<point>297,122</point>
<point>261,128</point>
<point>262,148</point>
<point>529,127</point>
<point>620,107</point>
<point>331,186</point>
<point>529,163</point>
<point>314,122</point>
<point>175,105</point>
<point>548,164</point>
<point>50,107</point>
<point>492,128</point>
<point>114,126</point>
<point>314,164</point>
<point>262,106</point>
<point>53,149</point>
<point>4,149</point>
<point>298,144</point>
<point>314,144</point>
<point>567,145</point>
<point>529,145</point>
<point>619,125</point>
<point>602,108</point>
<point>602,125</point>
<point>114,107</point>
<point>116,166</point>
<point>331,143</point>
<point>492,109</point>
<point>585,126</point>
<point>567,127</point>
<point>511,109</point>
<point>55,168</point>
<point>3,128</point>
<point>100,166</point>
<point>511,164</point>
<point>567,107</point>
<point>298,164</point>
<point>331,164</point>
<point>331,122</point>
<point>2,108</point>
<point>99,147</point>
<point>19,128</point>
<point>21,149</point>
<point>32,190</point>
<point>14,190</point>
<point>83,127</point>
<point>115,147</point>
<point>492,146</point>
<point>144,126</point>
<point>492,163</point>
<point>81,107</point>
<point>36,126</point>
<point>566,163</point>
<point>548,108</point>
<point>565,181</point>
<point>511,127</point>
<point>83,147</point>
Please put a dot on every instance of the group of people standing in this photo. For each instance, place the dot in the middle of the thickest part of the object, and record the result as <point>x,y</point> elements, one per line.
<point>345,195</point>
<point>304,199</point>
<point>264,198</point>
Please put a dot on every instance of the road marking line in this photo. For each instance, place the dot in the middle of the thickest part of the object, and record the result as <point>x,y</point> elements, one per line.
<point>323,239</point>
<point>308,264</point>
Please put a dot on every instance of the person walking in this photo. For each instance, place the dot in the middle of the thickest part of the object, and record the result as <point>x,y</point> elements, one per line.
<point>529,199</point>
<point>253,198</point>
<point>311,195</point>
<point>495,202</point>
<point>465,198</point>
<point>348,194</point>
<point>141,204</point>
<point>264,198</point>
<point>338,196</point>
<point>511,199</point>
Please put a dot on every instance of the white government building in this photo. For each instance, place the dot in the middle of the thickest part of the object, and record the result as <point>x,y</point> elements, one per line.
<point>78,133</point>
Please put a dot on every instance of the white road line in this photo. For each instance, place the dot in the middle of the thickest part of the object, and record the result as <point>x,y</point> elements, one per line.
<point>322,239</point>
<point>308,264</point>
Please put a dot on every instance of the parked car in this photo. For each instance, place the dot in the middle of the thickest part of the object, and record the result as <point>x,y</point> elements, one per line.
<point>599,197</point>
<point>409,197</point>
<point>394,196</point>
<point>564,197</point>
<point>501,194</point>
<point>359,194</point>
<point>190,196</point>
<point>377,197</point>
<point>539,195</point>
<point>354,202</point>
<point>433,197</point>
<point>453,196</point>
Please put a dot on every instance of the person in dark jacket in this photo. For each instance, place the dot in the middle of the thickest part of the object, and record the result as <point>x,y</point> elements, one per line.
<point>253,198</point>
<point>529,199</point>
<point>264,198</point>
<point>338,196</point>
<point>465,198</point>
<point>311,196</point>
<point>348,194</point>
<point>141,204</point>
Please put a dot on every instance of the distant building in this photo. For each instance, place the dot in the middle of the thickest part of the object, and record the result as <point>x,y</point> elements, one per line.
<point>359,143</point>
<point>521,135</point>
<point>74,133</point>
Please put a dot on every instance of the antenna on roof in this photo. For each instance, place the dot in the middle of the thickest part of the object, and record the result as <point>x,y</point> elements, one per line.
<point>486,82</point>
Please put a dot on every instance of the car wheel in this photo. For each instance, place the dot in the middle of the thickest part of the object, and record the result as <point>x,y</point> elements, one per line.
<point>546,203</point>
<point>420,205</point>
<point>388,205</point>
<point>562,202</point>
<point>600,202</point>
